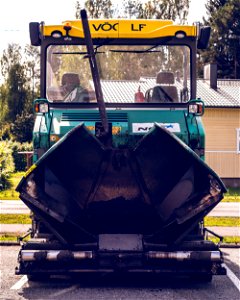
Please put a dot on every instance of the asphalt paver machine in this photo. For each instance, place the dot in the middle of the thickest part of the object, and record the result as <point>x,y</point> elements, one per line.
<point>118,181</point>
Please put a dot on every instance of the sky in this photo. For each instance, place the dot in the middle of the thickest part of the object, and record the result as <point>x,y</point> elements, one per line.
<point>15,16</point>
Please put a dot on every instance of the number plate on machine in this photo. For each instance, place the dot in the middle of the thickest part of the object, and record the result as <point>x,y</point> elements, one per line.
<point>120,242</point>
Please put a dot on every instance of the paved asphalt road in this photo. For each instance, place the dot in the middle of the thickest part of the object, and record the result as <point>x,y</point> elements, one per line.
<point>15,287</point>
<point>230,209</point>
<point>13,207</point>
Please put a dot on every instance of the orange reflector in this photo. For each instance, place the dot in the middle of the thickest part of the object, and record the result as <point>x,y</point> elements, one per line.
<point>36,108</point>
<point>54,138</point>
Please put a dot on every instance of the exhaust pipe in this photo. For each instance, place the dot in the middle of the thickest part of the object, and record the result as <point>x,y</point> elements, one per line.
<point>54,255</point>
<point>186,255</point>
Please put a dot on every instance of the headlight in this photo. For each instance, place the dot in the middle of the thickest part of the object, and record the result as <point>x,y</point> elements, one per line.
<point>180,35</point>
<point>41,108</point>
<point>196,108</point>
<point>56,34</point>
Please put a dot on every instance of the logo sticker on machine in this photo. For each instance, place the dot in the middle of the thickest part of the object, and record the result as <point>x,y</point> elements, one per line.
<point>145,127</point>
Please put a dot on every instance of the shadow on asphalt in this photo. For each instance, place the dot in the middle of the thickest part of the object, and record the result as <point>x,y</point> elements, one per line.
<point>119,280</point>
<point>235,268</point>
<point>119,287</point>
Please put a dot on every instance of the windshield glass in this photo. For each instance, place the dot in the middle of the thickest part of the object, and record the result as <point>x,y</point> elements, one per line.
<point>158,74</point>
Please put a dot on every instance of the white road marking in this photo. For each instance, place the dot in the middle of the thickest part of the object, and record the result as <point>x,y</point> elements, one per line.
<point>232,277</point>
<point>62,292</point>
<point>20,283</point>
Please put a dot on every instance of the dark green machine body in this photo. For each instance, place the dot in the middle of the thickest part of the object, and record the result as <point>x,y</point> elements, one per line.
<point>128,125</point>
<point>120,186</point>
<point>142,198</point>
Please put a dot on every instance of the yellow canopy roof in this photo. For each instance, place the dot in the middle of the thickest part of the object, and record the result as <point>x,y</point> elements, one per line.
<point>121,28</point>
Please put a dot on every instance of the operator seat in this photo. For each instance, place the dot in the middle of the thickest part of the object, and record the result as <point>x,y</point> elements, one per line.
<point>74,92</point>
<point>70,81</point>
<point>165,90</point>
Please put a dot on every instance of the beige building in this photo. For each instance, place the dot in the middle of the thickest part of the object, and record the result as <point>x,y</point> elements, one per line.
<point>222,126</point>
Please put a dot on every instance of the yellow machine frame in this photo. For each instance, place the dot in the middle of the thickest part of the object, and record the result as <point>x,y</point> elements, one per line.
<point>122,28</point>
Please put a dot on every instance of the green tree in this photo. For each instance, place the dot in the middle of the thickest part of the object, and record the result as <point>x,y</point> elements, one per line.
<point>157,9</point>
<point>22,127</point>
<point>17,92</point>
<point>15,80</point>
<point>32,66</point>
<point>224,45</point>
<point>20,69</point>
<point>3,106</point>
<point>148,9</point>
<point>10,57</point>
<point>96,8</point>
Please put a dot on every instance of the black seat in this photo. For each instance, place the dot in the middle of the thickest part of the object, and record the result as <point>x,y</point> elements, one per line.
<point>70,81</point>
<point>164,91</point>
<point>74,91</point>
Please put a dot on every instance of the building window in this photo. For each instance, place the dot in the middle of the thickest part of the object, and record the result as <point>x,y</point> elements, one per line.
<point>238,140</point>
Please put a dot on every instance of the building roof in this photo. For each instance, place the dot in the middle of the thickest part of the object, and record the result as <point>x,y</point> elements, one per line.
<point>227,93</point>
<point>123,91</point>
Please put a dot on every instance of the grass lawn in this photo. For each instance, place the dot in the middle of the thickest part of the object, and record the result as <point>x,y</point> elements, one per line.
<point>15,219</point>
<point>8,238</point>
<point>11,237</point>
<point>226,239</point>
<point>233,195</point>
<point>11,194</point>
<point>222,221</point>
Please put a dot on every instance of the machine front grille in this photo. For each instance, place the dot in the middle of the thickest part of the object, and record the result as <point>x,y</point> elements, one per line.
<point>93,117</point>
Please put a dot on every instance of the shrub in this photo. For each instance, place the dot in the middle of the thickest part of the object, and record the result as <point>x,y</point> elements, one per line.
<point>6,164</point>
<point>5,132</point>
<point>20,160</point>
